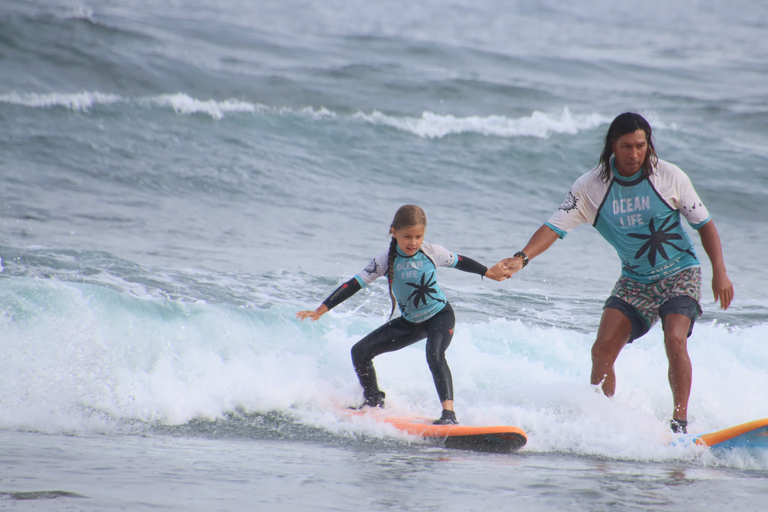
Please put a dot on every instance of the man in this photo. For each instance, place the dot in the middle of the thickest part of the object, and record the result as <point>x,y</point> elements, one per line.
<point>635,200</point>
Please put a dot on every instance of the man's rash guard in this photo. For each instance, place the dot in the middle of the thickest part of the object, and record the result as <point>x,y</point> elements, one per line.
<point>414,282</point>
<point>639,216</point>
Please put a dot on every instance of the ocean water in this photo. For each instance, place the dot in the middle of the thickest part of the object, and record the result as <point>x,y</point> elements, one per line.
<point>179,178</point>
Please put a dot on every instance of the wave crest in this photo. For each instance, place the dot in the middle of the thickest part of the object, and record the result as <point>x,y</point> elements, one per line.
<point>538,124</point>
<point>81,101</point>
<point>429,126</point>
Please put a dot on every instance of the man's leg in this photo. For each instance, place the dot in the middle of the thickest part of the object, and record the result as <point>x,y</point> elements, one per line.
<point>612,335</point>
<point>676,328</point>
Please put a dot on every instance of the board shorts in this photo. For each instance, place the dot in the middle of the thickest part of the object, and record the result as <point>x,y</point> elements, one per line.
<point>645,303</point>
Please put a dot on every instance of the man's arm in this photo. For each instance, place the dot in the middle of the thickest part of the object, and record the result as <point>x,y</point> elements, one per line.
<point>721,284</point>
<point>541,240</point>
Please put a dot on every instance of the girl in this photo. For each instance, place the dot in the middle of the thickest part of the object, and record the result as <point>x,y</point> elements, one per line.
<point>410,265</point>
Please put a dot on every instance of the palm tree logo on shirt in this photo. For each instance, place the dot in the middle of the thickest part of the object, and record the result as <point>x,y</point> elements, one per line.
<point>627,266</point>
<point>656,240</point>
<point>423,290</point>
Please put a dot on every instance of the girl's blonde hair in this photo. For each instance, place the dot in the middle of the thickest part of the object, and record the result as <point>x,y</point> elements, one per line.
<point>407,216</point>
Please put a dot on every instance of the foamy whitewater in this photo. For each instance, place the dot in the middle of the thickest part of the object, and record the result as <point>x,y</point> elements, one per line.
<point>179,179</point>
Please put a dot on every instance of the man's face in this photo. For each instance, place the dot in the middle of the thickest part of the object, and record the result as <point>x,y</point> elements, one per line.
<point>630,150</point>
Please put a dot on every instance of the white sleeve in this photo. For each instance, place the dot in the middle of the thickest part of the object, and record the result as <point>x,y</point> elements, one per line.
<point>441,256</point>
<point>677,190</point>
<point>374,270</point>
<point>580,205</point>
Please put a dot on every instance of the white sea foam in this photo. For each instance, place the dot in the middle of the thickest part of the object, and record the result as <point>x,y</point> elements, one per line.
<point>81,101</point>
<point>80,12</point>
<point>82,356</point>
<point>187,105</point>
<point>538,124</point>
<point>184,104</point>
<point>429,125</point>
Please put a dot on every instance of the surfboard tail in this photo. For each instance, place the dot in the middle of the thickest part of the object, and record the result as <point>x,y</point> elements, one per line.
<point>493,443</point>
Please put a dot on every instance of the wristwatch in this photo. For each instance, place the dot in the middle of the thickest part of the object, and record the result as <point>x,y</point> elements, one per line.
<point>523,256</point>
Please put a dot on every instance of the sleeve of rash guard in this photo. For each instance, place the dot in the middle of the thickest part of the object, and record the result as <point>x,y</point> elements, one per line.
<point>469,265</point>
<point>579,206</point>
<point>342,293</point>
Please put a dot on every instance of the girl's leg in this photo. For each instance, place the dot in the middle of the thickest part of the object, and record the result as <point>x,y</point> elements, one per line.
<point>439,336</point>
<point>394,335</point>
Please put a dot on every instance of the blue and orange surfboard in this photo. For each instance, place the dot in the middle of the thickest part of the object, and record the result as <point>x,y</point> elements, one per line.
<point>753,434</point>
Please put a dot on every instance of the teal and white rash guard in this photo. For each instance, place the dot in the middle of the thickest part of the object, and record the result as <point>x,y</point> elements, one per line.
<point>639,217</point>
<point>414,283</point>
<point>414,280</point>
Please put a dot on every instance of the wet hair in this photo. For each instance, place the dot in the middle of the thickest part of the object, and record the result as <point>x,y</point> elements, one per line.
<point>625,123</point>
<point>407,216</point>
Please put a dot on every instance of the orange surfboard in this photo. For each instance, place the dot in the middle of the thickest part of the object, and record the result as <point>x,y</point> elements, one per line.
<point>497,439</point>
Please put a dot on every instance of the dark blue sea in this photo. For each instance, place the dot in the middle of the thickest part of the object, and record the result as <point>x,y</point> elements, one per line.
<point>180,177</point>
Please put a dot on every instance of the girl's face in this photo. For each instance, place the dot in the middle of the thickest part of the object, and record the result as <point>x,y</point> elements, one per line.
<point>409,239</point>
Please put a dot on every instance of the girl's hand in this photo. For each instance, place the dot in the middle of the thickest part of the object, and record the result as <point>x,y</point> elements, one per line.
<point>312,315</point>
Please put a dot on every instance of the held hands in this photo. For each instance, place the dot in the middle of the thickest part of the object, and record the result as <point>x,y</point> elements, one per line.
<point>506,268</point>
<point>497,273</point>
<point>312,315</point>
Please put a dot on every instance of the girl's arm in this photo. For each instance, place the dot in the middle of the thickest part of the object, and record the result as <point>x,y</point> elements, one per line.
<point>469,265</point>
<point>339,295</point>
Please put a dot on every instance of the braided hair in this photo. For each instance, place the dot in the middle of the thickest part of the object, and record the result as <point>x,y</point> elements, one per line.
<point>625,123</point>
<point>407,216</point>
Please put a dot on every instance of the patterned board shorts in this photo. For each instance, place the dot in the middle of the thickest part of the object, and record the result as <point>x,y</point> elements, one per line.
<point>647,298</point>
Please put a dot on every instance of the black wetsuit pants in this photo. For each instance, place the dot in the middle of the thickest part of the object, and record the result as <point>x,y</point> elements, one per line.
<point>400,333</point>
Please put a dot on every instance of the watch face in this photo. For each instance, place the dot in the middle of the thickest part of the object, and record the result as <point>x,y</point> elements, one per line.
<point>569,203</point>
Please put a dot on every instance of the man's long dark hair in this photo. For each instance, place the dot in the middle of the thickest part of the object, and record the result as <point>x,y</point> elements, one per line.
<point>628,122</point>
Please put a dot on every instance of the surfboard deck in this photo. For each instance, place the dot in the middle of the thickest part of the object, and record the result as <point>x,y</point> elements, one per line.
<point>495,439</point>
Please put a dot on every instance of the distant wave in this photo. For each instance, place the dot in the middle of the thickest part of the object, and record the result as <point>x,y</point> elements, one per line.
<point>428,126</point>
<point>80,12</point>
<point>538,124</point>
<point>181,103</point>
<point>184,104</point>
<point>74,101</point>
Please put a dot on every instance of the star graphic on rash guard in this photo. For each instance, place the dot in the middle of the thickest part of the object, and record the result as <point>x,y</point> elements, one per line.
<point>656,240</point>
<point>423,290</point>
